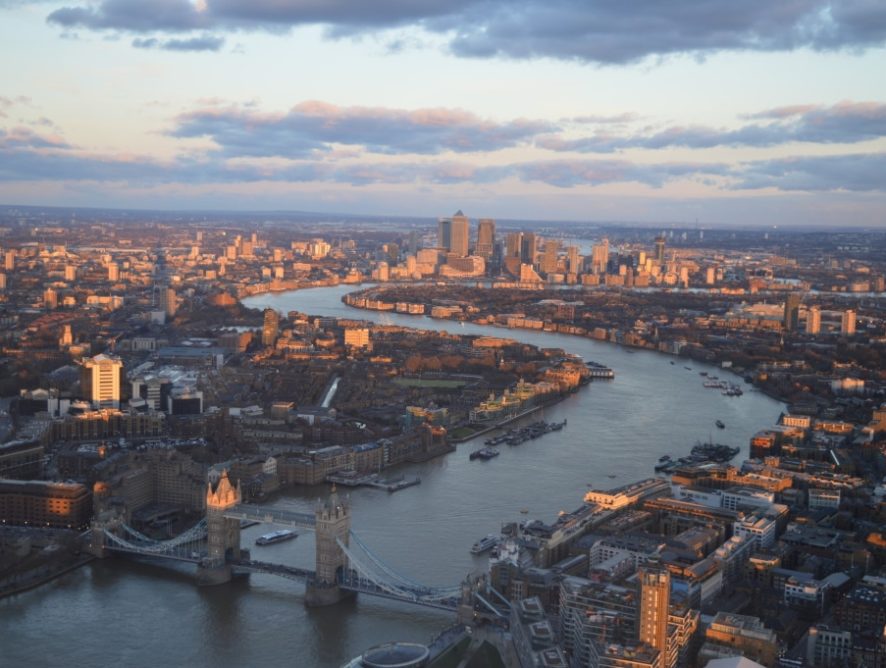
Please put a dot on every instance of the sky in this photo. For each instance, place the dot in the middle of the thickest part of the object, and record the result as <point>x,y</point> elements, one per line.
<point>708,112</point>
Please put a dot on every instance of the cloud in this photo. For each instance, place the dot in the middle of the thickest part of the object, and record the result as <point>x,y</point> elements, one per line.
<point>25,138</point>
<point>856,173</point>
<point>843,123</point>
<point>199,43</point>
<point>571,173</point>
<point>32,156</point>
<point>592,31</point>
<point>316,126</point>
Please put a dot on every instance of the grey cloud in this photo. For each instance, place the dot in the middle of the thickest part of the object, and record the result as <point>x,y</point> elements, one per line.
<point>199,43</point>
<point>596,31</point>
<point>570,173</point>
<point>315,126</point>
<point>132,15</point>
<point>847,122</point>
<point>856,173</point>
<point>25,138</point>
<point>28,156</point>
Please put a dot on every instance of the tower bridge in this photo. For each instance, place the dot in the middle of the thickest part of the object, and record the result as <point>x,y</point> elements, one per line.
<point>344,564</point>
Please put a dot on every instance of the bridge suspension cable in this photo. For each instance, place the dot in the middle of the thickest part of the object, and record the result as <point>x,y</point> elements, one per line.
<point>409,592</point>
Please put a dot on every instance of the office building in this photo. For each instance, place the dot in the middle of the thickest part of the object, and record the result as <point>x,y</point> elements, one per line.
<point>549,257</point>
<point>660,250</point>
<point>168,301</point>
<point>573,260</point>
<point>357,337</point>
<point>791,321</point>
<point>485,238</point>
<point>528,248</point>
<point>513,244</point>
<point>50,299</point>
<point>600,257</point>
<point>813,320</point>
<point>453,234</point>
<point>101,380</point>
<point>730,634</point>
<point>847,323</point>
<point>270,328</point>
<point>655,598</point>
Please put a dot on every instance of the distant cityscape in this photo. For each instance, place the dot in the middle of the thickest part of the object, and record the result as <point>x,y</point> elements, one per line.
<point>150,413</point>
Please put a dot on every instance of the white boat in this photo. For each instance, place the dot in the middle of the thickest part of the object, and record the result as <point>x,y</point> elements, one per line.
<point>484,544</point>
<point>276,537</point>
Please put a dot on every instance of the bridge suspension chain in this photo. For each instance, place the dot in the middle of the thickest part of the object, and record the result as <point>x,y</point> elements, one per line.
<point>414,592</point>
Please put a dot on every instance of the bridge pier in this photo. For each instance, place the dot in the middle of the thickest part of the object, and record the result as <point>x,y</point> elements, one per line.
<point>210,573</point>
<point>222,533</point>
<point>320,594</point>
<point>98,542</point>
<point>333,525</point>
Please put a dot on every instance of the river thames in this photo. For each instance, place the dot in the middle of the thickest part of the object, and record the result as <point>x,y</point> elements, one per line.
<point>123,613</point>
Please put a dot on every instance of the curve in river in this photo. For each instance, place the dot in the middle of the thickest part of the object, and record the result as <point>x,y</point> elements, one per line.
<point>145,615</point>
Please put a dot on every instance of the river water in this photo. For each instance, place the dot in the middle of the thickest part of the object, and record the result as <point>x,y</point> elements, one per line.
<point>139,614</point>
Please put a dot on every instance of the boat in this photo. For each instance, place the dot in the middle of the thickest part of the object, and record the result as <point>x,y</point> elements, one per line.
<point>276,537</point>
<point>702,373</point>
<point>484,544</point>
<point>720,424</point>
<point>672,362</point>
<point>484,453</point>
<point>715,452</point>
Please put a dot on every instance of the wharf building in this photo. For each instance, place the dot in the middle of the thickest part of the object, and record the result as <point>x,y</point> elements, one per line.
<point>39,503</point>
<point>22,459</point>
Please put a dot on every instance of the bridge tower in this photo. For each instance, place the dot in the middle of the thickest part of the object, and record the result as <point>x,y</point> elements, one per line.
<point>333,526</point>
<point>223,533</point>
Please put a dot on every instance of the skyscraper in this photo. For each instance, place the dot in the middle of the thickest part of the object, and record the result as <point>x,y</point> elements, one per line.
<point>444,233</point>
<point>101,380</point>
<point>168,301</point>
<point>527,248</point>
<point>50,299</point>
<point>847,323</point>
<point>655,597</point>
<point>573,260</point>
<point>485,238</point>
<point>270,328</point>
<point>660,249</point>
<point>813,320</point>
<point>549,257</point>
<point>460,235</point>
<point>600,257</point>
<point>453,234</point>
<point>791,312</point>
<point>513,244</point>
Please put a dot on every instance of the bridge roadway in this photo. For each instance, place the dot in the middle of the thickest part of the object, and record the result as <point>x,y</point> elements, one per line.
<point>254,566</point>
<point>351,581</point>
<point>288,518</point>
<point>191,557</point>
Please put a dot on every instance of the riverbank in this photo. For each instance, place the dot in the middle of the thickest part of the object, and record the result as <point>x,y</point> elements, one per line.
<point>41,579</point>
<point>506,422</point>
